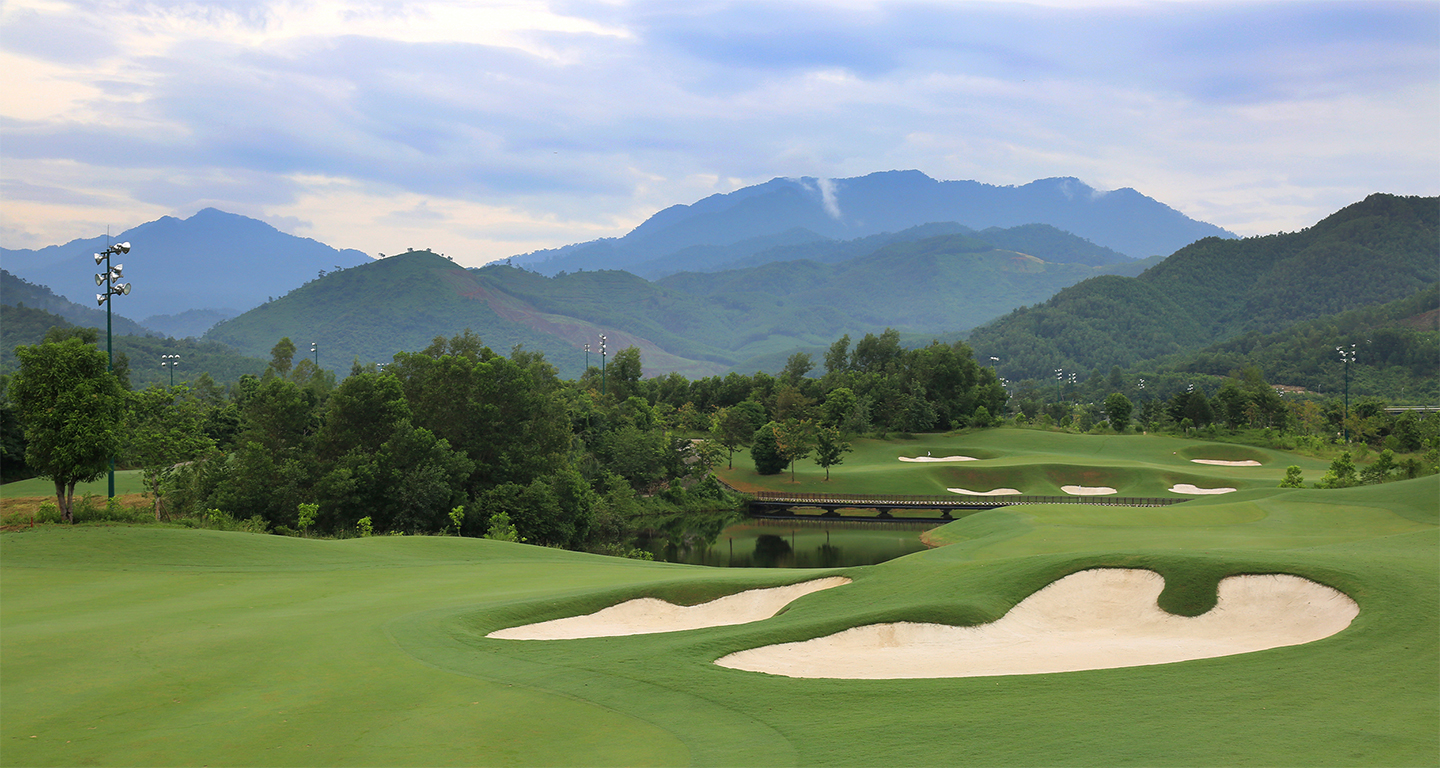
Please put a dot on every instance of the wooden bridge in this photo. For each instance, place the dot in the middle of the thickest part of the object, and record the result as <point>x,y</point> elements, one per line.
<point>782,505</point>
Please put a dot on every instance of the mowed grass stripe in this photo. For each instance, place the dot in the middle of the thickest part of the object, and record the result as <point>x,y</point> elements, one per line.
<point>154,646</point>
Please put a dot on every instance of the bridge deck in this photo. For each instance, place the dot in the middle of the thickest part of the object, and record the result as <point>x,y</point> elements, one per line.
<point>772,503</point>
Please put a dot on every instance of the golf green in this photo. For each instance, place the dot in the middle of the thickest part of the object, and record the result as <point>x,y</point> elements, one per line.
<point>155,646</point>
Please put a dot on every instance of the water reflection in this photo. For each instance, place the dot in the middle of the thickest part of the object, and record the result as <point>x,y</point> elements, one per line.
<point>781,544</point>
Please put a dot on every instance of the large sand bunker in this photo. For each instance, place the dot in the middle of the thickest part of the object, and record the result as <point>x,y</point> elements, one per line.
<point>939,458</point>
<point>1097,619</point>
<point>1222,463</point>
<point>1087,490</point>
<point>996,492</point>
<point>1192,490</point>
<point>648,615</point>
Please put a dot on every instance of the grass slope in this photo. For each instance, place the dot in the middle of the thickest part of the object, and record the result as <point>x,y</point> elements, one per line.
<point>1034,462</point>
<point>129,646</point>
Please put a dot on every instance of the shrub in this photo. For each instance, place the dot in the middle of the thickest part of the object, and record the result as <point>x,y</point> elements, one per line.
<point>49,513</point>
<point>501,529</point>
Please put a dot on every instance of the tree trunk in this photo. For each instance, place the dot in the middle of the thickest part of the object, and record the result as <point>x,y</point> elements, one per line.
<point>65,497</point>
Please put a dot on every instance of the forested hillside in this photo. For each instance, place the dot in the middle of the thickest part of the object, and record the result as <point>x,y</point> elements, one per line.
<point>692,323</point>
<point>18,292</point>
<point>1397,352</point>
<point>1379,250</point>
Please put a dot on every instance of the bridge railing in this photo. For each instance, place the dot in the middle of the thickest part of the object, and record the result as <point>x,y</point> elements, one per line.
<point>894,501</point>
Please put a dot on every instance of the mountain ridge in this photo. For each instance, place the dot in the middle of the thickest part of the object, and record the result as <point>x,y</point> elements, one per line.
<point>1124,220</point>
<point>213,260</point>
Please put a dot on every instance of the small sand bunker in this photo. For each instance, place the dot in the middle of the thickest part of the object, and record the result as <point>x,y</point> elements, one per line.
<point>647,615</point>
<point>996,492</point>
<point>1220,463</point>
<point>1192,490</point>
<point>1098,619</point>
<point>939,458</point>
<point>1087,490</point>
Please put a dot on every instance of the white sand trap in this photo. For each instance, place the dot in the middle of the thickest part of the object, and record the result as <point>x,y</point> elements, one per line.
<point>1192,490</point>
<point>1087,490</point>
<point>996,492</point>
<point>1219,463</point>
<point>647,615</point>
<point>939,458</point>
<point>1098,619</point>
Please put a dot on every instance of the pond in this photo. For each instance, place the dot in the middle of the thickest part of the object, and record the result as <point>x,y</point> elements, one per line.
<point>751,543</point>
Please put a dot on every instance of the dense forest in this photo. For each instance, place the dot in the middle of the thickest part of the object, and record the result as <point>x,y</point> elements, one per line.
<point>456,425</point>
<point>457,438</point>
<point>1213,291</point>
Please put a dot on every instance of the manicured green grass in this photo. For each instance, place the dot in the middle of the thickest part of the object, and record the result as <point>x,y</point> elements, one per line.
<point>1034,462</point>
<point>126,481</point>
<point>145,646</point>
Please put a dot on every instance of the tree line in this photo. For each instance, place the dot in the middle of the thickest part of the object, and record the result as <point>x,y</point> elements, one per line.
<point>457,438</point>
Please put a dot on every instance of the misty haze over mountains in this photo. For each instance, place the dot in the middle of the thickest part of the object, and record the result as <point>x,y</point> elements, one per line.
<point>193,273</point>
<point>220,262</point>
<point>787,212</point>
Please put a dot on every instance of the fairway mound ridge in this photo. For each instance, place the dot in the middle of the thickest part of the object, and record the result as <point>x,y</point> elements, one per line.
<point>995,492</point>
<point>1193,490</point>
<point>938,458</point>
<point>648,615</point>
<point>1103,618</point>
<point>1223,463</point>
<point>1087,490</point>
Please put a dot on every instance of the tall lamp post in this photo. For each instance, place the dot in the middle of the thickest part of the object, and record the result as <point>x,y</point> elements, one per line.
<point>1059,376</point>
<point>1347,357</point>
<point>315,350</point>
<point>109,280</point>
<point>171,361</point>
<point>602,363</point>
<point>587,358</point>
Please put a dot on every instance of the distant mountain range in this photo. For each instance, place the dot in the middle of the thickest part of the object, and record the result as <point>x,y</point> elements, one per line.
<point>693,323</point>
<point>767,222</point>
<point>218,262</point>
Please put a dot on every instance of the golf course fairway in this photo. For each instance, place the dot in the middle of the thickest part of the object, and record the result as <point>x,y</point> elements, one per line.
<point>146,645</point>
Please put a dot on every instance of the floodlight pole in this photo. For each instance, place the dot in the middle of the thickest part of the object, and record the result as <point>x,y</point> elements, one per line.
<point>315,350</point>
<point>602,363</point>
<point>1346,356</point>
<point>107,281</point>
<point>171,361</point>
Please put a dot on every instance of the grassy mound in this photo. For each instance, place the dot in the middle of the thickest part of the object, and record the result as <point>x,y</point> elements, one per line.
<point>142,645</point>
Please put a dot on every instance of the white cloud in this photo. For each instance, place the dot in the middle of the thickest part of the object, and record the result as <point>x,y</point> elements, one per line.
<point>505,127</point>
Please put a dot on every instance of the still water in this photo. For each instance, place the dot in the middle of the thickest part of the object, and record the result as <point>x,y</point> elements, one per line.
<point>785,544</point>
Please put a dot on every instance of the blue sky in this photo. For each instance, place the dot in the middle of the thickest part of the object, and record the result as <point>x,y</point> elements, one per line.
<point>485,130</point>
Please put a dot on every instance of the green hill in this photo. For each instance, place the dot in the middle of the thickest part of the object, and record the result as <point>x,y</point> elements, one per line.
<point>1379,250</point>
<point>18,292</point>
<point>1397,348</point>
<point>692,323</point>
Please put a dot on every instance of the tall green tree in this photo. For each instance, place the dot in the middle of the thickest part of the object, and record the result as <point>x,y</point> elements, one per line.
<point>282,355</point>
<point>731,429</point>
<point>794,439</point>
<point>72,409</point>
<point>164,426</point>
<point>1117,410</point>
<point>830,448</point>
<point>765,451</point>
